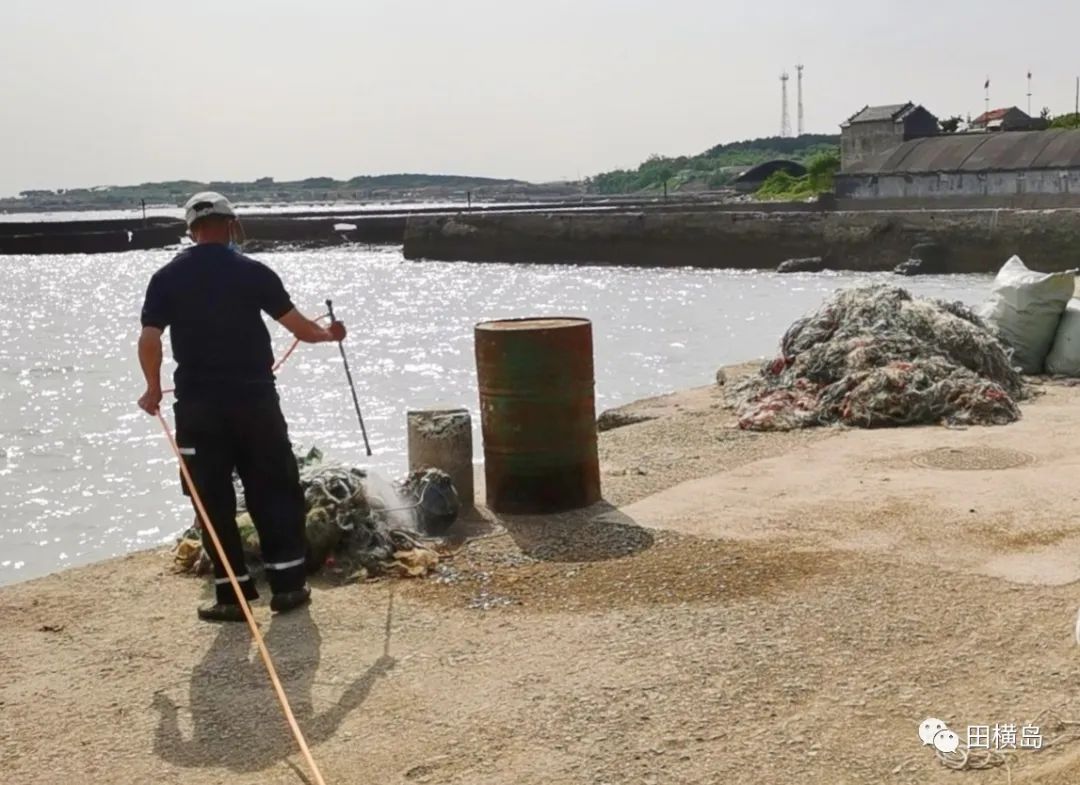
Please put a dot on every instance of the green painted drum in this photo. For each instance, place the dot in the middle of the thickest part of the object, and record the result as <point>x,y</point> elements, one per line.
<point>538,414</point>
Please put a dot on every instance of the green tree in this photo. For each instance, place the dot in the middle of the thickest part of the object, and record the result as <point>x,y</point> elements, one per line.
<point>820,171</point>
<point>951,124</point>
<point>1071,120</point>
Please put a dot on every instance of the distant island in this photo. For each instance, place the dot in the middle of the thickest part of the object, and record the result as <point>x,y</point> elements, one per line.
<point>267,190</point>
<point>712,170</point>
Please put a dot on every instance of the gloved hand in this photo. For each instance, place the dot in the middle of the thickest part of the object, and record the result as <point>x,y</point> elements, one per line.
<point>337,331</point>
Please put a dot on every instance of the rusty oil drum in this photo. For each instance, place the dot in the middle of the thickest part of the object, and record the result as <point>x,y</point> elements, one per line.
<point>538,414</point>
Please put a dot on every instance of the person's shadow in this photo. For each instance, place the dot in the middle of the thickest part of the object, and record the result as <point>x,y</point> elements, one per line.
<point>236,720</point>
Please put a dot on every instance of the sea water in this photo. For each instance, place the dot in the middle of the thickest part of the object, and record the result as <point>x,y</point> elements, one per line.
<point>85,475</point>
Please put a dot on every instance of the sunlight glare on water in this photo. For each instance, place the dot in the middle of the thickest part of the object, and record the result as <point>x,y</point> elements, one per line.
<point>85,475</point>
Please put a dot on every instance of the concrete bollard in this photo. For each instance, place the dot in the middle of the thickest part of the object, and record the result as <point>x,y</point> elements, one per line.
<point>442,439</point>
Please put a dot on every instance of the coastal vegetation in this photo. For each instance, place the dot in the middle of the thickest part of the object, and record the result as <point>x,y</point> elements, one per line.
<point>820,171</point>
<point>715,168</point>
<point>1070,120</point>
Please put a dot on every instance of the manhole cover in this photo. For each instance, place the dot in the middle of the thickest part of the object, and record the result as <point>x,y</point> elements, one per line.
<point>973,458</point>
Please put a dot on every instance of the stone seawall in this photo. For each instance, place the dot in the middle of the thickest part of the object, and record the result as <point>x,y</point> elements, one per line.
<point>969,240</point>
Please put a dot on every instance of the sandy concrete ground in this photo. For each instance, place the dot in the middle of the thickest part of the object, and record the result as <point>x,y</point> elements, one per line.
<point>747,608</point>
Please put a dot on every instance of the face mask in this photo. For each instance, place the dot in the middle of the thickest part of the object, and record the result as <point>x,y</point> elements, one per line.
<point>234,232</point>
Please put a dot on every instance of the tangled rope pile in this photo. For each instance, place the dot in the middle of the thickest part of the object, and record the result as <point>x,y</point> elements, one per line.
<point>875,357</point>
<point>354,528</point>
<point>964,759</point>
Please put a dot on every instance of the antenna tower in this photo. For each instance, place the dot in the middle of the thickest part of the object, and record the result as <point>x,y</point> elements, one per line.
<point>785,118</point>
<point>798,71</point>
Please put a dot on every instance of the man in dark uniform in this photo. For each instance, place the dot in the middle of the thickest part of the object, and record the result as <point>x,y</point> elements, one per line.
<point>228,416</point>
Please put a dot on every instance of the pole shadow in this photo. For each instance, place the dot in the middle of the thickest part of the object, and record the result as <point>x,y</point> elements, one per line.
<point>236,721</point>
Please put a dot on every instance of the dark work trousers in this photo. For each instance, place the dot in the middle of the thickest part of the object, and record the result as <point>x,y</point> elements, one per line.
<point>217,434</point>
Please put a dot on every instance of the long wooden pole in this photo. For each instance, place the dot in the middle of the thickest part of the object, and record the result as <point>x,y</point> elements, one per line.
<point>243,604</point>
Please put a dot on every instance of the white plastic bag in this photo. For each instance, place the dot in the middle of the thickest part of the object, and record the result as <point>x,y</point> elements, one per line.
<point>1064,357</point>
<point>1026,307</point>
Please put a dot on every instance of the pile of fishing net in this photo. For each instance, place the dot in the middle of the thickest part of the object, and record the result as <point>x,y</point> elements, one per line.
<point>357,526</point>
<point>875,357</point>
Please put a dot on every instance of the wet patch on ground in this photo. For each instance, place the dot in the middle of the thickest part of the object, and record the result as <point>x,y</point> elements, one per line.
<point>974,458</point>
<point>676,570</point>
<point>1013,538</point>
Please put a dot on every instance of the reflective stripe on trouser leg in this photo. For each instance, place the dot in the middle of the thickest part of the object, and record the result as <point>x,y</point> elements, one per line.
<point>286,576</point>
<point>285,565</point>
<point>224,581</point>
<point>224,594</point>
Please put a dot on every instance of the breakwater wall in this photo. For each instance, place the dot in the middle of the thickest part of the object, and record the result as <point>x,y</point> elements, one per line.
<point>666,234</point>
<point>263,232</point>
<point>61,237</point>
<point>310,229</point>
<point>967,240</point>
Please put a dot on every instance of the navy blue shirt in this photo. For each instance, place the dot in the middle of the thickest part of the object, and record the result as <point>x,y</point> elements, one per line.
<point>211,298</point>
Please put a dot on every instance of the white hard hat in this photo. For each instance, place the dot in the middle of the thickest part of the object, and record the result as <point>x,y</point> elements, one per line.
<point>207,203</point>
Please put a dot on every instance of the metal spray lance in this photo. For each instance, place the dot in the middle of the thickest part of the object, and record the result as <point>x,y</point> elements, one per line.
<point>352,387</point>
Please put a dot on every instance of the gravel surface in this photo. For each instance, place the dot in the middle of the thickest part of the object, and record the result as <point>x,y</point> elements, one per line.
<point>581,648</point>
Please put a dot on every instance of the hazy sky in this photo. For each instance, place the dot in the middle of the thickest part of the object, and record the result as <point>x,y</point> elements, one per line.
<point>119,92</point>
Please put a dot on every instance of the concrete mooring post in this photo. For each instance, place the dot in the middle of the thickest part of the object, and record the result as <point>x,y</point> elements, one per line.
<point>442,439</point>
